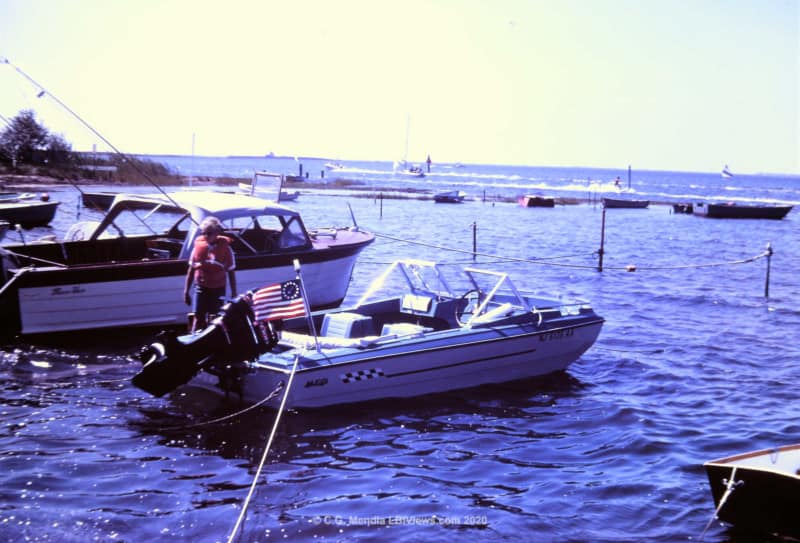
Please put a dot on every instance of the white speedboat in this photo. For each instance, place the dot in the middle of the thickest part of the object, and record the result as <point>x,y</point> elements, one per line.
<point>758,491</point>
<point>425,339</point>
<point>129,269</point>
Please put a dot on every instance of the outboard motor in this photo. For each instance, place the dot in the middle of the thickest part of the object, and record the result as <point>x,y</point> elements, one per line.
<point>172,361</point>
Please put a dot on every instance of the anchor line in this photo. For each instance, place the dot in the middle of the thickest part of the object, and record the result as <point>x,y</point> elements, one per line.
<point>126,158</point>
<point>542,261</point>
<point>730,486</point>
<point>261,463</point>
<point>231,415</point>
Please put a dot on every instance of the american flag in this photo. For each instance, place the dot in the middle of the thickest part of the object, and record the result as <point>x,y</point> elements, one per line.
<point>279,301</point>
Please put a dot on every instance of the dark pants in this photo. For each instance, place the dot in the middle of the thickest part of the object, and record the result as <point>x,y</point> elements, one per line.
<point>207,301</point>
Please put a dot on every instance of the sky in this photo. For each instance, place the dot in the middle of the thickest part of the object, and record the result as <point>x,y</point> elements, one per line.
<point>687,85</point>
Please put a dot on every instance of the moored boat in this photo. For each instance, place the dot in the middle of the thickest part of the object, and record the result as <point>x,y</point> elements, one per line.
<point>758,491</point>
<point>28,212</point>
<point>536,201</point>
<point>449,197</point>
<point>425,338</point>
<point>98,200</point>
<point>129,268</point>
<point>621,203</point>
<point>733,210</point>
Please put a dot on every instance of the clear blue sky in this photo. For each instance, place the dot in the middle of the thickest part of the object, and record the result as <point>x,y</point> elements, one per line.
<point>671,84</point>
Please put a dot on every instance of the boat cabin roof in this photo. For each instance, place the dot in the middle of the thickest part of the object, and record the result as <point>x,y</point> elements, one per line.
<point>201,204</point>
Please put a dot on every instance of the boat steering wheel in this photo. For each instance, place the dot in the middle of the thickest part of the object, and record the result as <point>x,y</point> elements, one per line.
<point>466,306</point>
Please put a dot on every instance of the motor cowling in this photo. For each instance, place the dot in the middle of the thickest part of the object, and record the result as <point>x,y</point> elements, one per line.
<point>172,361</point>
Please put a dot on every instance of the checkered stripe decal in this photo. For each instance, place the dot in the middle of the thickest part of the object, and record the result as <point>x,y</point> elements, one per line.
<point>361,375</point>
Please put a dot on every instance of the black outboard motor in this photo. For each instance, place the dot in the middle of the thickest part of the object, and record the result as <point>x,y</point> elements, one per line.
<point>172,360</point>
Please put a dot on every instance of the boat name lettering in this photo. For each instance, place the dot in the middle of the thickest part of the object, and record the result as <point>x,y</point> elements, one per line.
<point>556,334</point>
<point>59,291</point>
<point>316,382</point>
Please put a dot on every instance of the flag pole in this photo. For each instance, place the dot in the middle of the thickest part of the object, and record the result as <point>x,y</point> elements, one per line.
<point>310,320</point>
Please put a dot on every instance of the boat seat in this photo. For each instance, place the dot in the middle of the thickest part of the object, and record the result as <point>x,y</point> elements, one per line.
<point>415,303</point>
<point>499,312</point>
<point>347,325</point>
<point>400,329</point>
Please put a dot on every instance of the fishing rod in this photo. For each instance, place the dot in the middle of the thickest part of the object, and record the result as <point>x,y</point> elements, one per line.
<point>44,92</point>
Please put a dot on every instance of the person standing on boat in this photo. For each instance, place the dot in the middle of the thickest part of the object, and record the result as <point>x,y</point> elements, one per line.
<point>211,264</point>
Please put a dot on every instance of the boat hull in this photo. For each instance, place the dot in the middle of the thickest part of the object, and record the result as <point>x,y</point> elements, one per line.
<point>738,211</point>
<point>764,496</point>
<point>618,203</point>
<point>536,201</point>
<point>149,293</point>
<point>28,214</point>
<point>435,363</point>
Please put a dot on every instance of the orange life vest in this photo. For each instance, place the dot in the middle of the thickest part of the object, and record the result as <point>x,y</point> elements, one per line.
<point>211,263</point>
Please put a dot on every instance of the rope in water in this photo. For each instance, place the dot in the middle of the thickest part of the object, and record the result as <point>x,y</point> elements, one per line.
<point>266,451</point>
<point>231,415</point>
<point>545,261</point>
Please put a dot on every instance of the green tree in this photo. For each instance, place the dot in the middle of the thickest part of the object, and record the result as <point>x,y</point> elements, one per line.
<point>23,138</point>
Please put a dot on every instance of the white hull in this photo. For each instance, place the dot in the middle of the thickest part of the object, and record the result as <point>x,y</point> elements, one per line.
<point>158,301</point>
<point>431,365</point>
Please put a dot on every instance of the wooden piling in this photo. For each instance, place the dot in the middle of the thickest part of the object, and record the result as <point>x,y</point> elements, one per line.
<point>602,241</point>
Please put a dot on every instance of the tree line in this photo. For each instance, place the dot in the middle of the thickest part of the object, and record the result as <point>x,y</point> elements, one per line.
<point>27,146</point>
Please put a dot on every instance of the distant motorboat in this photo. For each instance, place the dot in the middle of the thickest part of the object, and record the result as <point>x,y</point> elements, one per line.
<point>449,197</point>
<point>686,209</point>
<point>333,166</point>
<point>758,491</point>
<point>726,173</point>
<point>733,210</point>
<point>620,203</point>
<point>536,201</point>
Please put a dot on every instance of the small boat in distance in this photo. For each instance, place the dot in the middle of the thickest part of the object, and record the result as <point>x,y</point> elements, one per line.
<point>449,197</point>
<point>424,338</point>
<point>726,173</point>
<point>620,203</point>
<point>758,491</point>
<point>98,200</point>
<point>733,210</point>
<point>536,201</point>
<point>27,210</point>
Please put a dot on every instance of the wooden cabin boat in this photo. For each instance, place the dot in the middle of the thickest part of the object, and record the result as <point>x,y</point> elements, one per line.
<point>129,268</point>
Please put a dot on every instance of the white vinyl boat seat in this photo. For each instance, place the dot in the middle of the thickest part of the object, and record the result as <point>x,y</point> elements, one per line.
<point>416,304</point>
<point>404,329</point>
<point>347,325</point>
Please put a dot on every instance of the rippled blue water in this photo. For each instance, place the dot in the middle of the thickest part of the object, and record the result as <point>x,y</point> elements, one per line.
<point>694,363</point>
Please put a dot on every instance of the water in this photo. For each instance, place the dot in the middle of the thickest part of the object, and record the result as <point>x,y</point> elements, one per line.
<point>694,363</point>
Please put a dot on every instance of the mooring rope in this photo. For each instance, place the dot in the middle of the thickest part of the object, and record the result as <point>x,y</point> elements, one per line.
<point>730,486</point>
<point>266,451</point>
<point>239,413</point>
<point>545,261</point>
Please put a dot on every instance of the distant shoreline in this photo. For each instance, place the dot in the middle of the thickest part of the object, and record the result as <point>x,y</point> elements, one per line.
<point>356,189</point>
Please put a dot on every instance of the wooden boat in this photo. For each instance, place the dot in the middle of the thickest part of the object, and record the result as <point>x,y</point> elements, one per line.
<point>536,201</point>
<point>424,338</point>
<point>620,203</point>
<point>732,210</point>
<point>129,269</point>
<point>758,491</point>
<point>449,197</point>
<point>28,212</point>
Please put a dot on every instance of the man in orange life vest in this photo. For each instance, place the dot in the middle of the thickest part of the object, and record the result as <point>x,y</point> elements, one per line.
<point>211,261</point>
